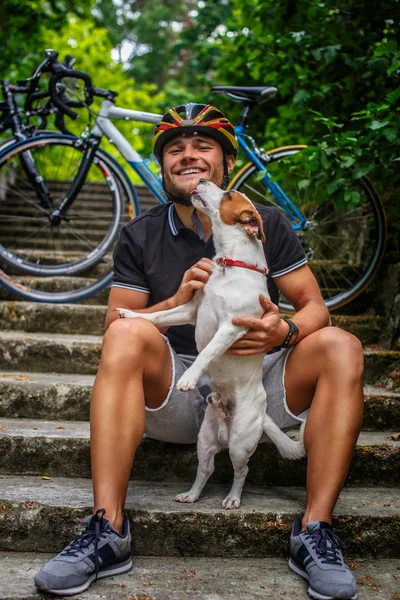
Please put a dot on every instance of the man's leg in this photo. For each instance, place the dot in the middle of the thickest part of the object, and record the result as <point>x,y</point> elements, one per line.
<point>135,365</point>
<point>135,369</point>
<point>324,372</point>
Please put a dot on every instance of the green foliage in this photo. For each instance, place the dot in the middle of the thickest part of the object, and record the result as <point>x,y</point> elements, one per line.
<point>319,54</point>
<point>23,28</point>
<point>173,43</point>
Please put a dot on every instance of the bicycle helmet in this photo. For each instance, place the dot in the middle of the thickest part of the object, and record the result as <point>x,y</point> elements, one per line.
<point>190,118</point>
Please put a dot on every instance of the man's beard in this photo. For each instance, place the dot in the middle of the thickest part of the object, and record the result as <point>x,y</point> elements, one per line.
<point>176,196</point>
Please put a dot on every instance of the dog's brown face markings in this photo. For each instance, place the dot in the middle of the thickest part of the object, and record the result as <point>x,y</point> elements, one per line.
<point>237,209</point>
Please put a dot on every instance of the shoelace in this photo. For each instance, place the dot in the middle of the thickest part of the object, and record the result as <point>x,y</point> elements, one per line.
<point>328,545</point>
<point>86,538</point>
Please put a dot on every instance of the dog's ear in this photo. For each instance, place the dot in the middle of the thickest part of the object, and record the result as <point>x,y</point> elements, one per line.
<point>236,208</point>
<point>252,223</point>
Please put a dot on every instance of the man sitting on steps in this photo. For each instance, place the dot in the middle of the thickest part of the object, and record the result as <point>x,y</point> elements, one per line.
<point>162,258</point>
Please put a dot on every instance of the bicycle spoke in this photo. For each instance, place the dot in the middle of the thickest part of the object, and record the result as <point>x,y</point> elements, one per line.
<point>30,202</point>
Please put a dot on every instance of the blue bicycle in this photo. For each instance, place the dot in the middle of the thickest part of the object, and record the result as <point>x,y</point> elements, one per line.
<point>57,238</point>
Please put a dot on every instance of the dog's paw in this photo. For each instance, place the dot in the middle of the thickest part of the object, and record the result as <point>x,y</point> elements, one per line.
<point>231,502</point>
<point>124,313</point>
<point>186,497</point>
<point>188,381</point>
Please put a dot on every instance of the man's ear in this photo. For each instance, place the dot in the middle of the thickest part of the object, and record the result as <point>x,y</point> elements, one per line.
<point>230,162</point>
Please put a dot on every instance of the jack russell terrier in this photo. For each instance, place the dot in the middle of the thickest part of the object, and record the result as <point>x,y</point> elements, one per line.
<point>235,417</point>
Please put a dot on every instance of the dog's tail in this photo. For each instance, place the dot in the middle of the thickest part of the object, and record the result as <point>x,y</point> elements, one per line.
<point>287,447</point>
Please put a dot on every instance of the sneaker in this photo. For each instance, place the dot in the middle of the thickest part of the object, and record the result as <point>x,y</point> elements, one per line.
<point>315,555</point>
<point>99,551</point>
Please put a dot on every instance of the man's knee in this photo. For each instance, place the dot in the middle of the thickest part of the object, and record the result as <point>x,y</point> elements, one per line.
<point>343,349</point>
<point>127,340</point>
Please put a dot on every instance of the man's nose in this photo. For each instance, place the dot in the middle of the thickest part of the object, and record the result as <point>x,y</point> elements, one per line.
<point>189,152</point>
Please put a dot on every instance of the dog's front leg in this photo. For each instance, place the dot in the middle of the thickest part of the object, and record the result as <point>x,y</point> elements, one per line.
<point>185,314</point>
<point>226,335</point>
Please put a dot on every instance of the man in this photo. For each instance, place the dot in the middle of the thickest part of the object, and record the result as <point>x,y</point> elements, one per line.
<point>162,258</point>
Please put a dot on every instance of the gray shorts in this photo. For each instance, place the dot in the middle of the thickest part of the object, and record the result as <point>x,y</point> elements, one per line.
<point>179,418</point>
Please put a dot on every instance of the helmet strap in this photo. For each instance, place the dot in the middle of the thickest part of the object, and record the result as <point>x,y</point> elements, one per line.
<point>225,181</point>
<point>171,198</point>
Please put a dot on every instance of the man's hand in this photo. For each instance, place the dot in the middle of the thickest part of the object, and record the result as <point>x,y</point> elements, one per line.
<point>264,334</point>
<point>194,279</point>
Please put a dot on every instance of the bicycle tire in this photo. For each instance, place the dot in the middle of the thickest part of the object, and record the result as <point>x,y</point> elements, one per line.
<point>24,278</point>
<point>345,248</point>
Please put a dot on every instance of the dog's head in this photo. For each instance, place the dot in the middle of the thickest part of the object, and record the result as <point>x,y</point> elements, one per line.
<point>230,208</point>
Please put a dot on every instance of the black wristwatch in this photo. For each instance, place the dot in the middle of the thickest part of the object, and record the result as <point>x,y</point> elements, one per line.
<point>292,333</point>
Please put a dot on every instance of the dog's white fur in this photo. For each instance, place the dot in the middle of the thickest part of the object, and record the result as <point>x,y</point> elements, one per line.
<point>236,412</point>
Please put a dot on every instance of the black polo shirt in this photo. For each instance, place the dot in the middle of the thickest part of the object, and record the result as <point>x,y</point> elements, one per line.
<point>155,249</point>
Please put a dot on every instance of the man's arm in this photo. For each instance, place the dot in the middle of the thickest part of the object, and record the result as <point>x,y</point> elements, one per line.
<point>301,289</point>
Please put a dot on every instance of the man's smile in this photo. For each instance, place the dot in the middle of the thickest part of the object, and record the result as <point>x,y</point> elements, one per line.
<point>190,171</point>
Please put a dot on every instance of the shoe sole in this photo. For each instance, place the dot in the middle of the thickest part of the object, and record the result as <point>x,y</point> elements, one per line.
<point>107,572</point>
<point>293,566</point>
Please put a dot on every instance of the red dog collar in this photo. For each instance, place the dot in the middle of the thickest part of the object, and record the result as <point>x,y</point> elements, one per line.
<point>228,262</point>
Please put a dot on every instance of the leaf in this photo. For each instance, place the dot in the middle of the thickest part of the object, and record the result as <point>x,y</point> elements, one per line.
<point>346,161</point>
<point>325,162</point>
<point>378,124</point>
<point>392,97</point>
<point>303,184</point>
<point>395,437</point>
<point>352,198</point>
<point>386,47</point>
<point>391,134</point>
<point>361,171</point>
<point>46,478</point>
<point>301,97</point>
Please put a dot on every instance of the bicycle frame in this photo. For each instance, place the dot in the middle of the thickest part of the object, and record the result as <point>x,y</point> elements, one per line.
<point>295,216</point>
<point>103,126</point>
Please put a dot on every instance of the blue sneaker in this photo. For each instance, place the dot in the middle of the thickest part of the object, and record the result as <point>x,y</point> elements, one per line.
<point>99,551</point>
<point>315,555</point>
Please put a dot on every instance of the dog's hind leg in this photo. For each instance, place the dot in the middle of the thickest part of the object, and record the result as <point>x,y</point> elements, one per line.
<point>245,434</point>
<point>207,447</point>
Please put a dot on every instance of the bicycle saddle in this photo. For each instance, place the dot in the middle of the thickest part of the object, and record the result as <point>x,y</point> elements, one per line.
<point>251,95</point>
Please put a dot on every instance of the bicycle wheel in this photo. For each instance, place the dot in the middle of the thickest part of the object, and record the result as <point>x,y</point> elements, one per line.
<point>344,246</point>
<point>48,263</point>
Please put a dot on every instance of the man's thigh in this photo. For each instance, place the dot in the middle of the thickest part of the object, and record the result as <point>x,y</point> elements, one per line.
<point>178,417</point>
<point>301,374</point>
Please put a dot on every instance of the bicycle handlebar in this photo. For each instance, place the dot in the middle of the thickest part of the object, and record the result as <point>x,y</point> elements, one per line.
<point>60,99</point>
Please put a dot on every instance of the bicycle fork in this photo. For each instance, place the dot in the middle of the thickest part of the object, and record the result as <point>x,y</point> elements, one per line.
<point>91,145</point>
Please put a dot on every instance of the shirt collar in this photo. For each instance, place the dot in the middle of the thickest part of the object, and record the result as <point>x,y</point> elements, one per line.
<point>176,226</point>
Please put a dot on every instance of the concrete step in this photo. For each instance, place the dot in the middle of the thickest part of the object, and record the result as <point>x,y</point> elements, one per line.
<point>44,515</point>
<point>79,354</point>
<point>198,578</point>
<point>62,449</point>
<point>78,318</point>
<point>64,396</point>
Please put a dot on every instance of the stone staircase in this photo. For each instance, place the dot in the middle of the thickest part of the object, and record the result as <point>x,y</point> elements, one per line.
<point>48,358</point>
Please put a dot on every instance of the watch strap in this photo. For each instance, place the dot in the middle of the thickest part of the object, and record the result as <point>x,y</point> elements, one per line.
<point>293,332</point>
